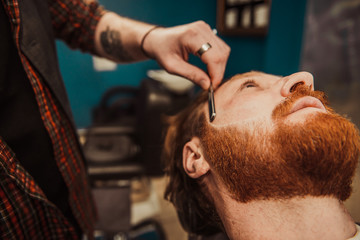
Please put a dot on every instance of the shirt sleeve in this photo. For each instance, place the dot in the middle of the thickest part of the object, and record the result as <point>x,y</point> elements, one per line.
<point>75,21</point>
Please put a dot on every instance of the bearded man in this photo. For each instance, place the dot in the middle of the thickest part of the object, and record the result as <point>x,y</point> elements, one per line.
<point>276,163</point>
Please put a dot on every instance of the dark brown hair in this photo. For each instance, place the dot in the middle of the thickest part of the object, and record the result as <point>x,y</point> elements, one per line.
<point>196,213</point>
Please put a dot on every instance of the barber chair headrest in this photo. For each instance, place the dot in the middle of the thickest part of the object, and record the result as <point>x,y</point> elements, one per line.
<point>117,107</point>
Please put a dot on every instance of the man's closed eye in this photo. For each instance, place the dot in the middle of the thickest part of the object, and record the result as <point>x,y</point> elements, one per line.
<point>248,84</point>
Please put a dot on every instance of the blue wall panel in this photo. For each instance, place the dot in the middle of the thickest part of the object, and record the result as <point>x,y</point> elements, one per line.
<point>283,44</point>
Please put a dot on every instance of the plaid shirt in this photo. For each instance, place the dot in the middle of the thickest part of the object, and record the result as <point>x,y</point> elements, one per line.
<point>25,211</point>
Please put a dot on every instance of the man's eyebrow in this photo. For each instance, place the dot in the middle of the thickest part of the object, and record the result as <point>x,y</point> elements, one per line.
<point>247,74</point>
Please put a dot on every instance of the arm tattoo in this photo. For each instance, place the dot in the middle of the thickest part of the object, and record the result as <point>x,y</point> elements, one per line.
<point>112,45</point>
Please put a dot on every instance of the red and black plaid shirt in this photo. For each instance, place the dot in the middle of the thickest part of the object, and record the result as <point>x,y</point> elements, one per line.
<point>24,209</point>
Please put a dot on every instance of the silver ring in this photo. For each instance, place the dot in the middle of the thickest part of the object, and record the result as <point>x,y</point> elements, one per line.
<point>203,49</point>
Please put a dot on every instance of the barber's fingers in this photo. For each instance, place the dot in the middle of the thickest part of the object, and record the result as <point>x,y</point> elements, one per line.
<point>215,60</point>
<point>179,66</point>
<point>216,72</point>
<point>171,46</point>
<point>215,57</point>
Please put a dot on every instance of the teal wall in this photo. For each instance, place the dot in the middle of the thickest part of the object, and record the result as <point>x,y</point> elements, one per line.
<point>277,53</point>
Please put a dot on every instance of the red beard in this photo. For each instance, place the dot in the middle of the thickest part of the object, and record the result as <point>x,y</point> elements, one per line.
<point>317,157</point>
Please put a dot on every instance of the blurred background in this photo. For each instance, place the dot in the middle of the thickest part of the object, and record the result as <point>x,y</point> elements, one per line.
<point>319,36</point>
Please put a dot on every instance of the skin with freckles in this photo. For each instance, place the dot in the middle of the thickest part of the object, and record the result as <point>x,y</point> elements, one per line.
<point>274,143</point>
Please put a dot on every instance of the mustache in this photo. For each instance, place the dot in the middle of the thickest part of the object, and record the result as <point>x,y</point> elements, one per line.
<point>283,109</point>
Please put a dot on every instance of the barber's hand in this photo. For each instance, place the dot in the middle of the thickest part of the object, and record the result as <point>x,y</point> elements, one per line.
<point>170,47</point>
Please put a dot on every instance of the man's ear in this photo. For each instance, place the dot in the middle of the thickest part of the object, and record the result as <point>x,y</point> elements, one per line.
<point>194,162</point>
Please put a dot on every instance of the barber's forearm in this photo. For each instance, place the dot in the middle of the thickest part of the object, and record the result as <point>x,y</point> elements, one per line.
<point>118,38</point>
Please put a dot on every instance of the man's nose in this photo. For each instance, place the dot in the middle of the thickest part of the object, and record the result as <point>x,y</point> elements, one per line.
<point>300,78</point>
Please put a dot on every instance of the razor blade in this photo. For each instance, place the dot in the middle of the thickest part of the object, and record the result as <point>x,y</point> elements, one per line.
<point>212,111</point>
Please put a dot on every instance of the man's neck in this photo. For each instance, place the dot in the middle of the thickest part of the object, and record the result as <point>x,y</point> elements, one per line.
<point>297,218</point>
